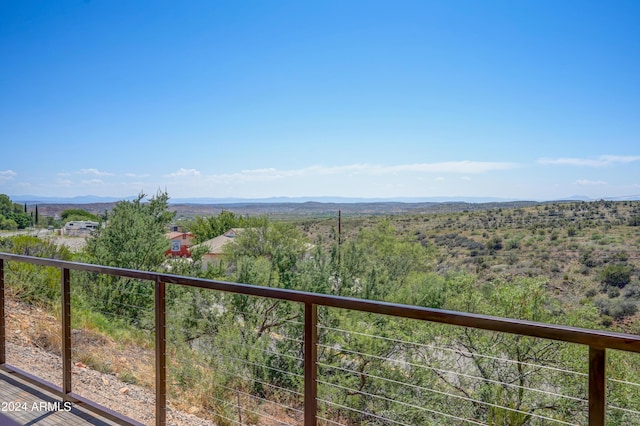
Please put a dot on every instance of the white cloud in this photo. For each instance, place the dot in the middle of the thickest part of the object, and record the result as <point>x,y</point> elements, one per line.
<point>6,175</point>
<point>590,182</point>
<point>95,172</point>
<point>440,179</point>
<point>473,167</point>
<point>93,182</point>
<point>601,161</point>
<point>465,178</point>
<point>185,172</point>
<point>621,158</point>
<point>259,171</point>
<point>133,175</point>
<point>64,182</point>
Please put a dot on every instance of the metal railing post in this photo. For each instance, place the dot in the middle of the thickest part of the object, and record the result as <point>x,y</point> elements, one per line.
<point>597,386</point>
<point>66,331</point>
<point>3,335</point>
<point>310,364</point>
<point>161,354</point>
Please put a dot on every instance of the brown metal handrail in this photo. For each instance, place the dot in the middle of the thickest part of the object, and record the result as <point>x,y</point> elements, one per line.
<point>598,341</point>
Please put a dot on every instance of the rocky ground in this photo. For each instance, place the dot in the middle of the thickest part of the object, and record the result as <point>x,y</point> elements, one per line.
<point>74,244</point>
<point>31,347</point>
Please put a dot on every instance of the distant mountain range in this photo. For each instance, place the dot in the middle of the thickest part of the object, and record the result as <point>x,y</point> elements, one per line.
<point>90,199</point>
<point>292,206</point>
<point>83,199</point>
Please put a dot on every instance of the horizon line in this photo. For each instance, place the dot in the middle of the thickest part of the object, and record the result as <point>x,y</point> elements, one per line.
<point>90,199</point>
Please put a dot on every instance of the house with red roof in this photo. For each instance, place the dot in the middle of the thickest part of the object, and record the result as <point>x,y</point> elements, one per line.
<point>180,243</point>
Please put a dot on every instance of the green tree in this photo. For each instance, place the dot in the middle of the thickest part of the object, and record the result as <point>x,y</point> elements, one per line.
<point>6,206</point>
<point>513,379</point>
<point>9,224</point>
<point>69,215</point>
<point>23,220</point>
<point>618,275</point>
<point>377,262</point>
<point>12,215</point>
<point>134,239</point>
<point>32,283</point>
<point>281,244</point>
<point>205,228</point>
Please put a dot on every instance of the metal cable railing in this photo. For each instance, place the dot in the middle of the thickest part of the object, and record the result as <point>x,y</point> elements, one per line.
<point>312,354</point>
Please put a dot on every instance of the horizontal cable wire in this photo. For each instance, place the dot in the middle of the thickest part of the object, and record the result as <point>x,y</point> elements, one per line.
<point>236,311</point>
<point>250,411</point>
<point>426,409</point>
<point>624,382</point>
<point>266,416</point>
<point>279,337</point>
<point>278,324</point>
<point>438,392</point>
<point>262,399</point>
<point>466,353</point>
<point>261,365</point>
<point>95,298</point>
<point>290,339</point>
<point>371,395</point>
<point>124,291</point>
<point>626,410</point>
<point>109,315</point>
<point>399,423</point>
<point>301,324</point>
<point>142,311</point>
<point>229,419</point>
<point>439,370</point>
<point>101,302</point>
<point>267,384</point>
<point>330,421</point>
<point>362,412</point>
<point>279,354</point>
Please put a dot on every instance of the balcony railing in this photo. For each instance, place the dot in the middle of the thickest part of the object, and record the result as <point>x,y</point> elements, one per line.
<point>598,342</point>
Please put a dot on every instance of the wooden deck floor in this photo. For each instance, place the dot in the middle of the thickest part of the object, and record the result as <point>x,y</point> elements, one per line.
<point>26,404</point>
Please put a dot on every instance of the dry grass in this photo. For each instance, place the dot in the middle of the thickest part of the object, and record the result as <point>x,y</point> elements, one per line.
<point>133,362</point>
<point>35,326</point>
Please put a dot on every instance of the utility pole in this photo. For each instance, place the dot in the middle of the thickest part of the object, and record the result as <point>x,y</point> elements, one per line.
<point>339,227</point>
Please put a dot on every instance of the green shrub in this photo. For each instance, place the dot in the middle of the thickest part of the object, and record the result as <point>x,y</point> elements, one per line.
<point>632,291</point>
<point>33,284</point>
<point>618,275</point>
<point>512,244</point>
<point>616,308</point>
<point>495,243</point>
<point>620,309</point>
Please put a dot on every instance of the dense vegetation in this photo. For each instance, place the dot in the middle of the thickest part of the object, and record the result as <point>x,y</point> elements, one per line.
<point>69,215</point>
<point>13,215</point>
<point>569,263</point>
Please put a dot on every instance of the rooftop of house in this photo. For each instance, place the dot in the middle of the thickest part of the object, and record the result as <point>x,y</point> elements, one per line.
<point>215,245</point>
<point>175,234</point>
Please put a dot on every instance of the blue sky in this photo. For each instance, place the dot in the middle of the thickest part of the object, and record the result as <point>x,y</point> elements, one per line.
<point>255,99</point>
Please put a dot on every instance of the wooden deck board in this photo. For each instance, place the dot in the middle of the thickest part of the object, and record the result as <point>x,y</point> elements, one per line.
<point>26,404</point>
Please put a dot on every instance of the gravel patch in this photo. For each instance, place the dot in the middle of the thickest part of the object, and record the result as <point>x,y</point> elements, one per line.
<point>131,400</point>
